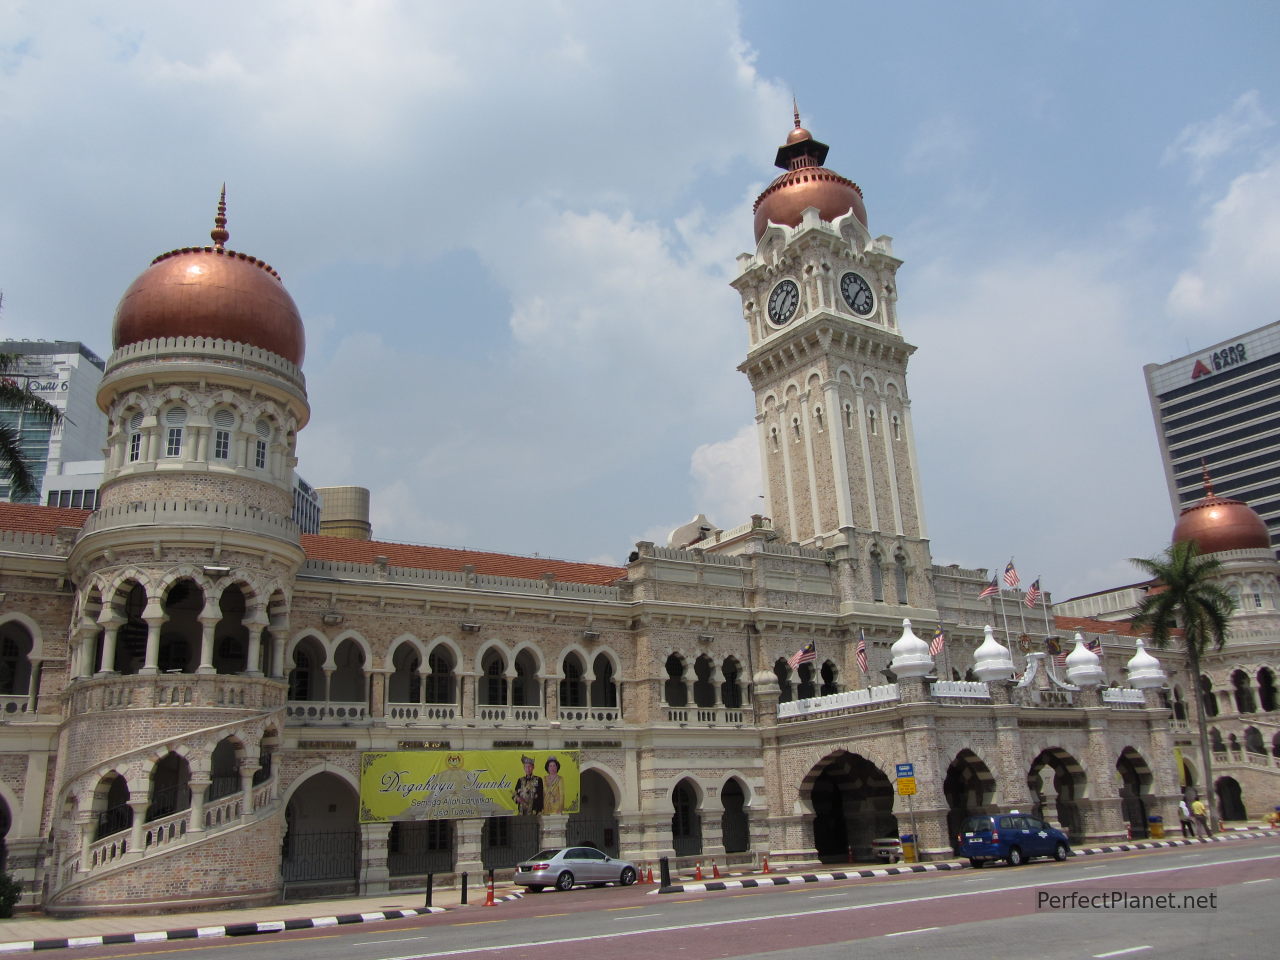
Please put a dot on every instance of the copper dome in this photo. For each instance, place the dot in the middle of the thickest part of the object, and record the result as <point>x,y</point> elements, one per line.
<point>805,184</point>
<point>211,292</point>
<point>1216,523</point>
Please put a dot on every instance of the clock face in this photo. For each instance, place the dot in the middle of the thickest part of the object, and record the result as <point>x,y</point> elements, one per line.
<point>783,302</point>
<point>857,294</point>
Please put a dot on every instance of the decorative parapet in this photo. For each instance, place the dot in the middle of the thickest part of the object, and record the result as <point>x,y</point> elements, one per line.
<point>368,572</point>
<point>38,543</point>
<point>169,691</point>
<point>192,513</point>
<point>967,689</point>
<point>848,700</point>
<point>223,352</point>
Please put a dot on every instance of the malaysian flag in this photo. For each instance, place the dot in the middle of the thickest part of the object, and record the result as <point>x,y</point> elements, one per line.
<point>862,651</point>
<point>805,654</point>
<point>939,639</point>
<point>1094,645</point>
<point>991,590</point>
<point>1056,650</point>
<point>1011,578</point>
<point>1033,595</point>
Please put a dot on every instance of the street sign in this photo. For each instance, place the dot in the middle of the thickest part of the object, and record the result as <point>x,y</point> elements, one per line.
<point>906,786</point>
<point>906,770</point>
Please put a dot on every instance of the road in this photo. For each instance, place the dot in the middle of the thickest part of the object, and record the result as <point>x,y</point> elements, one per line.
<point>978,914</point>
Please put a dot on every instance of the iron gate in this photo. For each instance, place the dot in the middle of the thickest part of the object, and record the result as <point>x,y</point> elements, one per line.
<point>320,856</point>
<point>599,832</point>
<point>506,840</point>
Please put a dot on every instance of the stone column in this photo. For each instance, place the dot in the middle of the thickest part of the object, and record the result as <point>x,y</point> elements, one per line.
<point>247,770</point>
<point>208,623</point>
<point>1103,818</point>
<point>256,626</point>
<point>554,830</point>
<point>154,617</point>
<point>374,873</point>
<point>711,814</point>
<point>110,623</point>
<point>467,694</point>
<point>86,822</point>
<point>139,829</point>
<point>467,837</point>
<point>378,690</point>
<point>198,784</point>
<point>280,636</point>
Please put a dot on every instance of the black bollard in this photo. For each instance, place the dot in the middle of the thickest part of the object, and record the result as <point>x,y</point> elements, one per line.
<point>431,879</point>
<point>664,868</point>
<point>464,888</point>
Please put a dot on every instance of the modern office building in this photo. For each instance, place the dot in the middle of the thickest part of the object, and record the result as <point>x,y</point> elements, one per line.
<point>1221,406</point>
<point>67,374</point>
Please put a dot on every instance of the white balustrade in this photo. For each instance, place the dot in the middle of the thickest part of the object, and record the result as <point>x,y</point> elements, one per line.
<point>968,689</point>
<point>849,699</point>
<point>327,711</point>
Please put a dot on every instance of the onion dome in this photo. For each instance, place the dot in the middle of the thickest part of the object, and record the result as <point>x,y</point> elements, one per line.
<point>1084,667</point>
<point>806,183</point>
<point>1144,669</point>
<point>992,660</point>
<point>1217,523</point>
<point>211,292</point>
<point>911,656</point>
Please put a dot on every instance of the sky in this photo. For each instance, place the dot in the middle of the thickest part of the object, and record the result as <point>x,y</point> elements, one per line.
<point>510,229</point>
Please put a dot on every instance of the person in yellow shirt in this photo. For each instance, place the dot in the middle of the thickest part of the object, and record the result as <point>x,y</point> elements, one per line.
<point>1201,814</point>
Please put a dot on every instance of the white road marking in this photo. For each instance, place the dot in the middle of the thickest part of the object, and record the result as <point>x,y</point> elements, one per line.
<point>1119,953</point>
<point>903,933</point>
<point>637,916</point>
<point>1263,880</point>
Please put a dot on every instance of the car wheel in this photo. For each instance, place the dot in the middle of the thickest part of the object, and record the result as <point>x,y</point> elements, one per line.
<point>564,881</point>
<point>976,864</point>
<point>628,877</point>
<point>1016,859</point>
<point>534,888</point>
<point>1060,852</point>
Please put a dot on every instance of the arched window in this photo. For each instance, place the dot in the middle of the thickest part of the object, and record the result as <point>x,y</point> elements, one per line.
<point>871,421</point>
<point>782,671</point>
<point>829,677</point>
<point>848,416</point>
<point>493,686</point>
<point>440,687</point>
<point>604,689</point>
<point>731,686</point>
<point>573,691</point>
<point>675,689</point>
<point>175,419</point>
<point>15,663</point>
<point>1215,741</point>
<point>1267,689</point>
<point>260,445</point>
<point>224,422</point>
<point>877,578</point>
<point>900,578</point>
<point>1208,702</point>
<point>897,428</point>
<point>1243,692</point>
<point>135,438</point>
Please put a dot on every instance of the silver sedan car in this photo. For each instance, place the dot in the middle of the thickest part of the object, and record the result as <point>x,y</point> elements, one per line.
<point>571,865</point>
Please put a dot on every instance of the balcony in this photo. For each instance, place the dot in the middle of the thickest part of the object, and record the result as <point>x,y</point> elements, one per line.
<point>173,691</point>
<point>332,713</point>
<point>707,716</point>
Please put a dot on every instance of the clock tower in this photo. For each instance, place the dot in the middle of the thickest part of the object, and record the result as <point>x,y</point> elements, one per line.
<point>828,365</point>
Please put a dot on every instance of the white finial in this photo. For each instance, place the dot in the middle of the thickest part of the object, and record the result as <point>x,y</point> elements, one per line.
<point>1145,670</point>
<point>992,661</point>
<point>1084,667</point>
<point>911,656</point>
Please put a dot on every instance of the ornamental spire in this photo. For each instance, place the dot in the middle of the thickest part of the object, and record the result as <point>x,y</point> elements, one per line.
<point>219,232</point>
<point>1208,484</point>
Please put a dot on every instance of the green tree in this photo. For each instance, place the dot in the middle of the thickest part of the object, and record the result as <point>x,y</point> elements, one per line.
<point>1185,596</point>
<point>15,397</point>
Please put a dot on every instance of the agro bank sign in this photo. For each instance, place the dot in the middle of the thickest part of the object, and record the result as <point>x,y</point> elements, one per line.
<point>464,784</point>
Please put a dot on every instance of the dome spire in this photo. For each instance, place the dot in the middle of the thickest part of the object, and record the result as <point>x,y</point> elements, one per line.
<point>219,232</point>
<point>795,109</point>
<point>1208,484</point>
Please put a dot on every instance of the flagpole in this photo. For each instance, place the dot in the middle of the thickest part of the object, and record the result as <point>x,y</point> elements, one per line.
<point>1004,616</point>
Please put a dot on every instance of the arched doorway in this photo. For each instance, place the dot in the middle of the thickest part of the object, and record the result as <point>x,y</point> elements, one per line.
<point>1230,799</point>
<point>321,852</point>
<point>735,828</point>
<point>1057,783</point>
<point>686,822</point>
<point>852,802</point>
<point>596,822</point>
<point>1135,786</point>
<point>969,788</point>
<point>170,787</point>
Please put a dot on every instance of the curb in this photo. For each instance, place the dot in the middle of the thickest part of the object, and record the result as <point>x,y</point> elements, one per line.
<point>716,885</point>
<point>227,930</point>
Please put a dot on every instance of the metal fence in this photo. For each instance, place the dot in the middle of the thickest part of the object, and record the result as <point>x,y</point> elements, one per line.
<point>598,832</point>
<point>416,849</point>
<point>320,856</point>
<point>506,840</point>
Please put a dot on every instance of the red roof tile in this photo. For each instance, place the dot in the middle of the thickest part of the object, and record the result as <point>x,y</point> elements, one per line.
<point>342,550</point>
<point>31,518</point>
<point>1121,628</point>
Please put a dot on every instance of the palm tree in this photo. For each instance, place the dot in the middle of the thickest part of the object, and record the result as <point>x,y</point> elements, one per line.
<point>15,399</point>
<point>1186,596</point>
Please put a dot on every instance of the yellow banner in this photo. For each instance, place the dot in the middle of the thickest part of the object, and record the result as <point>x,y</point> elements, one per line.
<point>464,784</point>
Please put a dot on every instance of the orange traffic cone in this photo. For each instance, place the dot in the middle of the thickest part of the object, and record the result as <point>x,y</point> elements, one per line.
<point>715,870</point>
<point>697,873</point>
<point>650,879</point>
<point>766,864</point>
<point>488,897</point>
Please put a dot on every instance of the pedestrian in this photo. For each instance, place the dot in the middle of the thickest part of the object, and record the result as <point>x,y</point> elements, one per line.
<point>1184,818</point>
<point>1201,814</point>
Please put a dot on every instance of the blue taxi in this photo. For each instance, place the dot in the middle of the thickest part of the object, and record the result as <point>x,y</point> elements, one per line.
<point>1014,837</point>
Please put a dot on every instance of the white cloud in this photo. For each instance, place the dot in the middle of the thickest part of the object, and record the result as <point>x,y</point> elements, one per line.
<point>1203,143</point>
<point>938,145</point>
<point>727,479</point>
<point>1233,283</point>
